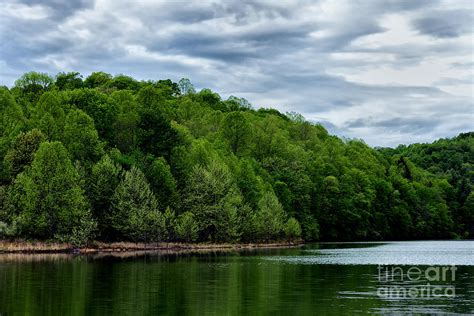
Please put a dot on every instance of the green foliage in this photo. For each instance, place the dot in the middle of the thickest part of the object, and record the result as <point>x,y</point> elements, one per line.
<point>171,88</point>
<point>104,179</point>
<point>3,229</point>
<point>186,87</point>
<point>69,81</point>
<point>212,196</point>
<point>12,115</point>
<point>292,229</point>
<point>122,82</point>
<point>228,171</point>
<point>162,182</point>
<point>125,136</point>
<point>22,150</point>
<point>99,107</point>
<point>49,115</point>
<point>135,213</point>
<point>97,79</point>
<point>46,200</point>
<point>12,121</point>
<point>250,184</point>
<point>83,232</point>
<point>80,137</point>
<point>236,131</point>
<point>238,104</point>
<point>449,159</point>
<point>270,218</point>
<point>186,227</point>
<point>155,133</point>
<point>170,222</point>
<point>34,82</point>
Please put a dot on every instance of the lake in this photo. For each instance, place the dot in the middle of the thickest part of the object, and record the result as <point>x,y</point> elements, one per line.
<point>316,279</point>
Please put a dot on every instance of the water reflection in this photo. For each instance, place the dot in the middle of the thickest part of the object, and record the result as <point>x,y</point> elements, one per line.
<point>216,283</point>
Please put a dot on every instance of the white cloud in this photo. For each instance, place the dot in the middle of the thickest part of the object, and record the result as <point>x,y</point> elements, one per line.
<point>20,11</point>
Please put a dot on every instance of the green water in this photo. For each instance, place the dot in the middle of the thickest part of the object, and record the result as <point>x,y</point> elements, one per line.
<point>317,279</point>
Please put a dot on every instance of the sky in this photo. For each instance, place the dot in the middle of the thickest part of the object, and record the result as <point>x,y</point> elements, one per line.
<point>387,72</point>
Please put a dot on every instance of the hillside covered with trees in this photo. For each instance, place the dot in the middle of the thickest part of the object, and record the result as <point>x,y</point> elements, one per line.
<point>113,158</point>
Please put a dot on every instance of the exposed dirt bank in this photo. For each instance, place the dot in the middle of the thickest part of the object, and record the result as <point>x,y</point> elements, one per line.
<point>21,246</point>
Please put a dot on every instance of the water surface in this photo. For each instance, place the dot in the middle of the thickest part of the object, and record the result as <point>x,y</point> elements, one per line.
<point>315,279</point>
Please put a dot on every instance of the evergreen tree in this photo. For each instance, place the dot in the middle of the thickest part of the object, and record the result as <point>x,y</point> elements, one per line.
<point>135,209</point>
<point>270,218</point>
<point>292,229</point>
<point>186,227</point>
<point>211,195</point>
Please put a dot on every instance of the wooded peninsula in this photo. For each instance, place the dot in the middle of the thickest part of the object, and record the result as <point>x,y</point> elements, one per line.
<point>111,158</point>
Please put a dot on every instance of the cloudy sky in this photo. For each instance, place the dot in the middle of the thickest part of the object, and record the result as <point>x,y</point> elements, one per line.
<point>388,72</point>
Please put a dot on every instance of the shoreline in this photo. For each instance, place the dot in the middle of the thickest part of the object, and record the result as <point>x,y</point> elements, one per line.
<point>42,247</point>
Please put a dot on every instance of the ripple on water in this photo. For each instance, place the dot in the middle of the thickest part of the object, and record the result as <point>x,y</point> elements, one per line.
<point>457,253</point>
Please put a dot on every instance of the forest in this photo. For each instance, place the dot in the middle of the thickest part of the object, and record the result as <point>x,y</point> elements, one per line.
<point>117,159</point>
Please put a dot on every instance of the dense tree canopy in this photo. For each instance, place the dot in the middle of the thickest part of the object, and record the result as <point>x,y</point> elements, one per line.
<point>46,200</point>
<point>114,158</point>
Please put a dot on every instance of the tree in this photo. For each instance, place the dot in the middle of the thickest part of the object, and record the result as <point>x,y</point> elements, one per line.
<point>329,206</point>
<point>170,225</point>
<point>230,172</point>
<point>186,87</point>
<point>356,205</point>
<point>12,115</point>
<point>97,79</point>
<point>238,104</point>
<point>171,87</point>
<point>211,195</point>
<point>21,153</point>
<point>236,130</point>
<point>69,81</point>
<point>292,229</point>
<point>270,218</point>
<point>47,199</point>
<point>99,107</point>
<point>49,115</point>
<point>250,184</point>
<point>80,137</point>
<point>122,82</point>
<point>11,123</point>
<point>162,182</point>
<point>211,99</point>
<point>267,137</point>
<point>136,215</point>
<point>126,122</point>
<point>186,227</point>
<point>155,133</point>
<point>468,219</point>
<point>104,179</point>
<point>34,82</point>
<point>83,232</point>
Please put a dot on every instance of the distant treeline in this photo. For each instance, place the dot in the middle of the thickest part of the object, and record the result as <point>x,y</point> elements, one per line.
<point>113,158</point>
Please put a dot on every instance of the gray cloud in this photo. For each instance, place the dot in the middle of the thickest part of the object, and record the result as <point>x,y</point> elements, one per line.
<point>388,72</point>
<point>61,9</point>
<point>410,125</point>
<point>446,23</point>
